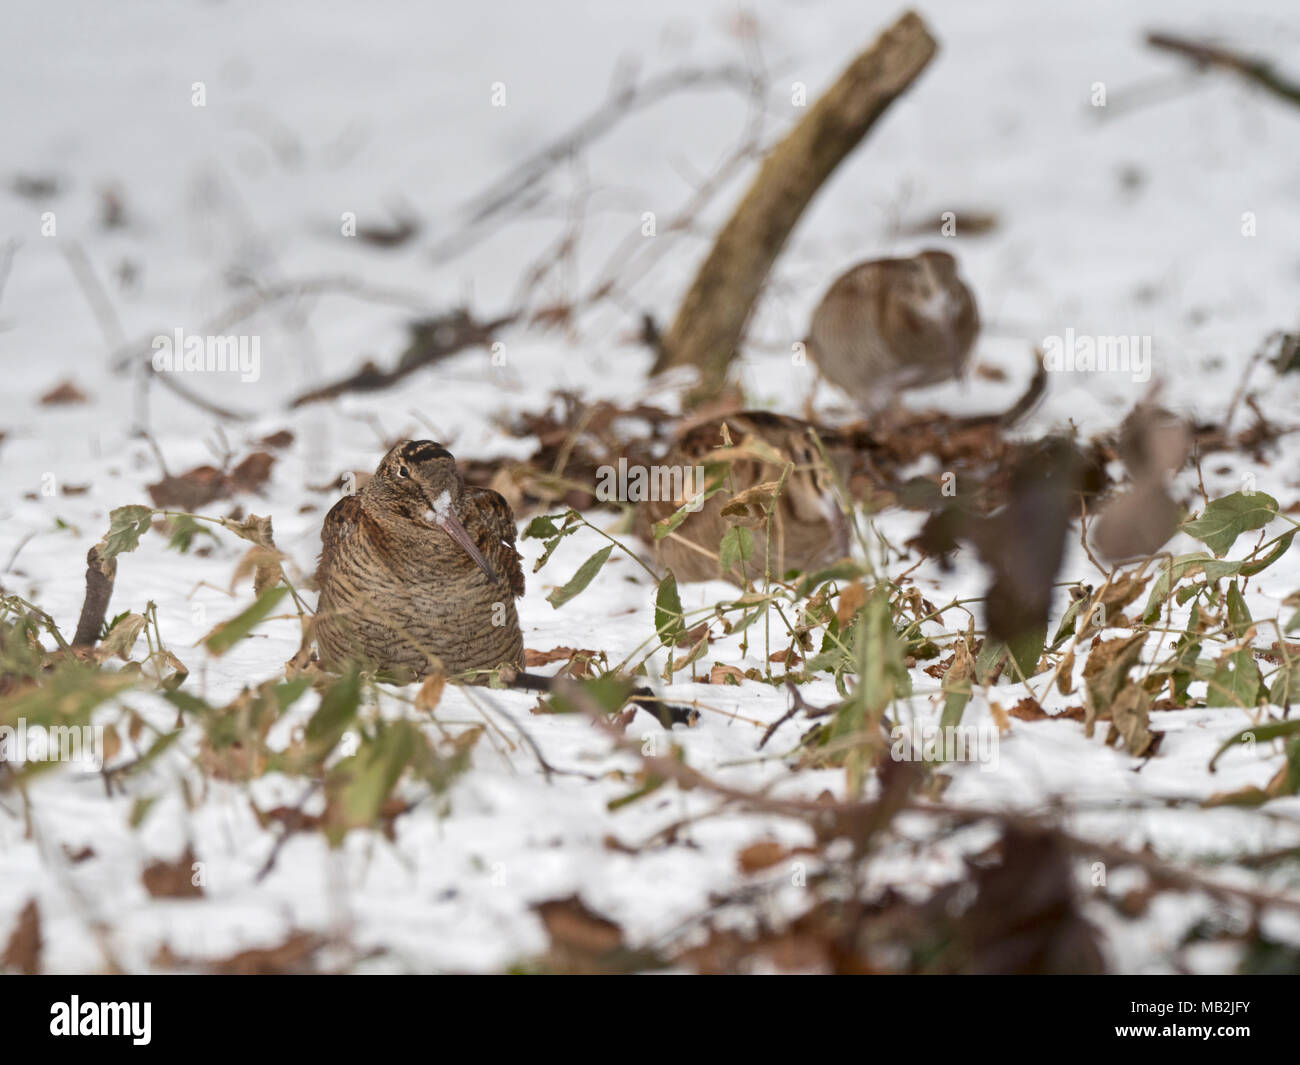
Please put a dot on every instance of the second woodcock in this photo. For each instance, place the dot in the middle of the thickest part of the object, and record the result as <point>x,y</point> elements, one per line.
<point>891,324</point>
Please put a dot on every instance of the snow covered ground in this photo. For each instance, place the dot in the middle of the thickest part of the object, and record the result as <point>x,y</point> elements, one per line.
<point>1126,219</point>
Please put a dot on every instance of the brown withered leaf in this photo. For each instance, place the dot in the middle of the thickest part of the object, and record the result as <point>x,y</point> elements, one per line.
<point>1065,675</point>
<point>1026,917</point>
<point>1024,543</point>
<point>1152,443</point>
<point>1029,709</point>
<point>749,508</point>
<point>293,955</point>
<point>938,669</point>
<point>255,529</point>
<point>23,951</point>
<point>172,880</point>
<point>264,564</point>
<point>693,636</point>
<point>66,392</point>
<point>430,693</point>
<point>852,596</point>
<point>1105,674</point>
<point>237,761</point>
<point>724,674</point>
<point>1137,523</point>
<point>1129,715</point>
<point>202,485</point>
<point>252,472</point>
<point>290,818</point>
<point>582,941</point>
<point>280,439</point>
<point>1121,591</point>
<point>761,855</point>
<point>570,923</point>
<point>189,491</point>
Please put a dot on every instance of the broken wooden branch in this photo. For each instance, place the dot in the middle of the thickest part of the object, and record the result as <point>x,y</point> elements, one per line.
<point>99,590</point>
<point>712,317</point>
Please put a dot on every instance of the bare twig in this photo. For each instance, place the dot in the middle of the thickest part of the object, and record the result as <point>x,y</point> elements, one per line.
<point>1259,71</point>
<point>513,189</point>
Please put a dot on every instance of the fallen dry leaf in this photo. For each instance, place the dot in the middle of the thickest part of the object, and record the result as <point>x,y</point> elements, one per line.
<point>762,855</point>
<point>23,951</point>
<point>172,880</point>
<point>64,393</point>
<point>722,674</point>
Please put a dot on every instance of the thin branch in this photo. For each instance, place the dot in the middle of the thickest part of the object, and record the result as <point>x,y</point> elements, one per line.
<point>1259,71</point>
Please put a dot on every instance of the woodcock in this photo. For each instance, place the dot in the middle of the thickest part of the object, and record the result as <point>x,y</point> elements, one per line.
<point>808,529</point>
<point>893,324</point>
<point>418,568</point>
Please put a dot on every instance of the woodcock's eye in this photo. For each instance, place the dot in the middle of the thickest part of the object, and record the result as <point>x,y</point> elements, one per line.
<point>402,471</point>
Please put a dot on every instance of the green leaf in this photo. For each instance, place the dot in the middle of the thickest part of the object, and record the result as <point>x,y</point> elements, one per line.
<point>338,707</point>
<point>609,692</point>
<point>991,654</point>
<point>543,528</point>
<point>1179,568</point>
<point>362,782</point>
<point>183,529</point>
<point>676,665</point>
<point>140,810</point>
<point>1225,519</point>
<point>841,571</point>
<point>585,575</point>
<point>1068,622</point>
<point>737,546</point>
<point>669,622</point>
<point>229,633</point>
<point>125,527</point>
<point>286,694</point>
<point>1027,648</point>
<point>1249,569</point>
<point>1239,618</point>
<point>957,685</point>
<point>1236,681</point>
<point>1258,734</point>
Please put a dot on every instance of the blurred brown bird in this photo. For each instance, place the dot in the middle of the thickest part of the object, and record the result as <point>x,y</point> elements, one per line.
<point>418,569</point>
<point>808,528</point>
<point>893,324</point>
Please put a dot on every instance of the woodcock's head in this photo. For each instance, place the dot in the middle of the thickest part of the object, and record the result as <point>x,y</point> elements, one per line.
<point>418,481</point>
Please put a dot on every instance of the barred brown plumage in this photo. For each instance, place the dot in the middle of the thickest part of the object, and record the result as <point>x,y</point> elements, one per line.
<point>892,324</point>
<point>808,529</point>
<point>417,568</point>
